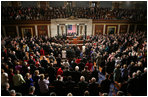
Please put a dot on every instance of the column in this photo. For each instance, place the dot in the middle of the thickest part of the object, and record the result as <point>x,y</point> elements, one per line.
<point>66,29</point>
<point>36,30</point>
<point>98,3</point>
<point>4,31</point>
<point>77,29</point>
<point>17,31</point>
<point>93,33</point>
<point>118,29</point>
<point>58,29</point>
<point>48,30</point>
<point>104,28</point>
<point>85,31</point>
<point>135,28</point>
<point>38,4</point>
<point>128,28</point>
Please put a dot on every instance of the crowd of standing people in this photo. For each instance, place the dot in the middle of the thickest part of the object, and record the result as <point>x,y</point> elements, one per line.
<point>50,66</point>
<point>35,13</point>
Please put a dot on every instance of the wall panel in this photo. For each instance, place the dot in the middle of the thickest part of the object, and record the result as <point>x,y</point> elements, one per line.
<point>11,31</point>
<point>123,28</point>
<point>111,26</point>
<point>26,27</point>
<point>42,30</point>
<point>131,28</point>
<point>99,29</point>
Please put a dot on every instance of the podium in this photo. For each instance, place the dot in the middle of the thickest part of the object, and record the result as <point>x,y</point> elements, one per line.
<point>75,41</point>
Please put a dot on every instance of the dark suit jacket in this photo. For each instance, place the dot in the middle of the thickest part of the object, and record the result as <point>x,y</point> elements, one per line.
<point>95,74</point>
<point>69,86</point>
<point>59,87</point>
<point>5,93</point>
<point>82,87</point>
<point>76,76</point>
<point>93,89</point>
<point>105,86</point>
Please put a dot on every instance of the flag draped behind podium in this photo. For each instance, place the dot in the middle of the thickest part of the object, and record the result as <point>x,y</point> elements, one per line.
<point>71,29</point>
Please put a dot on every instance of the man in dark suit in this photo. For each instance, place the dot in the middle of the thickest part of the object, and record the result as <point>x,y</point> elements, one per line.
<point>41,69</point>
<point>82,84</point>
<point>31,91</point>
<point>86,73</point>
<point>95,73</point>
<point>132,85</point>
<point>93,87</point>
<point>13,56</point>
<point>66,73</point>
<point>144,82</point>
<point>31,60</point>
<point>44,62</point>
<point>81,65</point>
<point>105,84</point>
<point>9,63</point>
<point>76,74</point>
<point>51,73</point>
<point>73,64</point>
<point>5,91</point>
<point>69,85</point>
<point>58,59</point>
<point>59,84</point>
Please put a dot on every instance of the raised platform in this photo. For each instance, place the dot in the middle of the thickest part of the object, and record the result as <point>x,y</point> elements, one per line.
<point>75,37</point>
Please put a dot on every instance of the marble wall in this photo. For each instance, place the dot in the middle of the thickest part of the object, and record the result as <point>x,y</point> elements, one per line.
<point>63,22</point>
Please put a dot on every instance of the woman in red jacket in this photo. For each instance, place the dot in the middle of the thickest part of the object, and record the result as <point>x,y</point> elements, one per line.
<point>78,60</point>
<point>42,51</point>
<point>90,65</point>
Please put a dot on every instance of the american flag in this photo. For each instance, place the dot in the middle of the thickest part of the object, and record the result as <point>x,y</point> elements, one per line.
<point>71,29</point>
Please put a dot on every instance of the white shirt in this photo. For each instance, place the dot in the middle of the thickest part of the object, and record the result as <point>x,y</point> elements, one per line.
<point>83,49</point>
<point>43,84</point>
<point>63,54</point>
